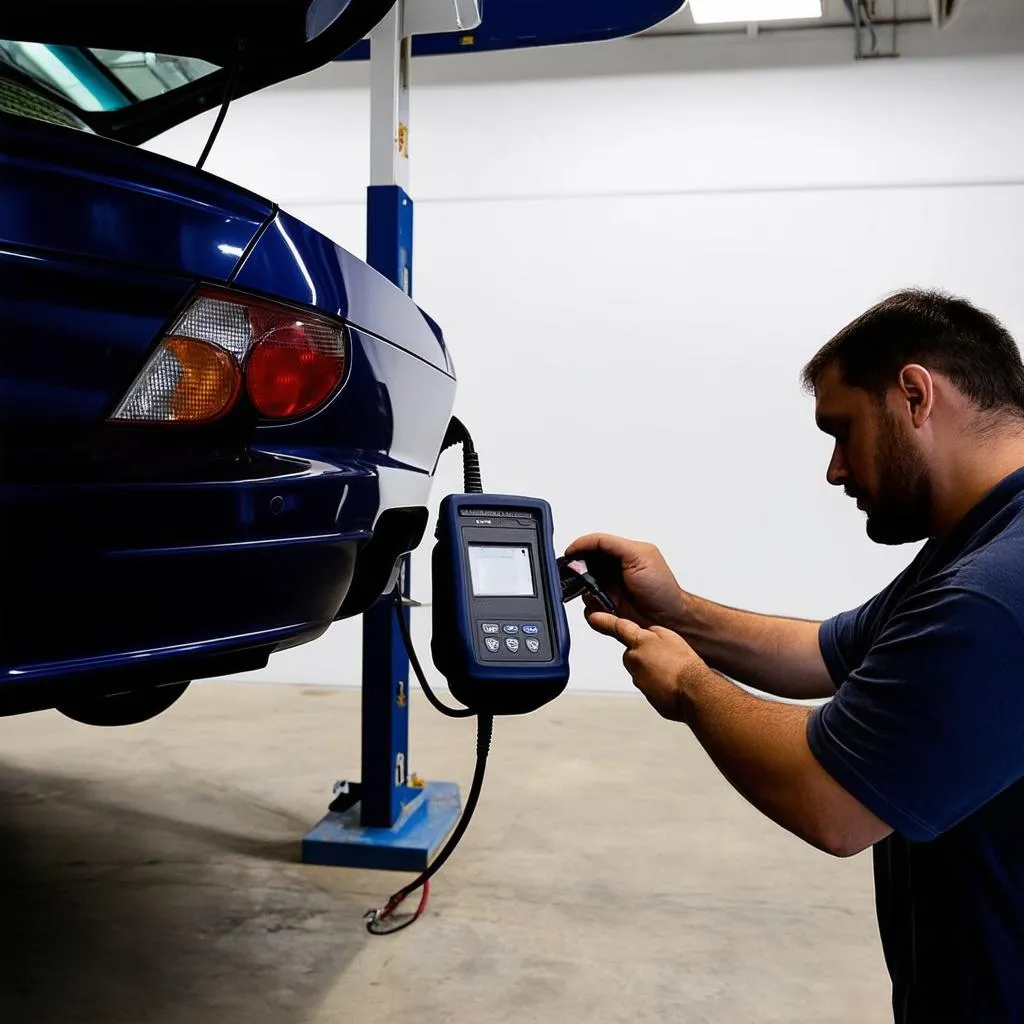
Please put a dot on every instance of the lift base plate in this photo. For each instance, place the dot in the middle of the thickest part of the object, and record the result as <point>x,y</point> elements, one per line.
<point>340,840</point>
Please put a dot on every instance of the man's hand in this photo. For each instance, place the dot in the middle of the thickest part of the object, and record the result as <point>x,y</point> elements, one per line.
<point>778,655</point>
<point>661,662</point>
<point>649,595</point>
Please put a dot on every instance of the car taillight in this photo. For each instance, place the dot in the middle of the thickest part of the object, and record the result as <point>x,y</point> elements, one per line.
<point>293,368</point>
<point>289,361</point>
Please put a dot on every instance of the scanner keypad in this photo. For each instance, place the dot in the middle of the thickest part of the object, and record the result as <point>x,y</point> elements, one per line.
<point>519,640</point>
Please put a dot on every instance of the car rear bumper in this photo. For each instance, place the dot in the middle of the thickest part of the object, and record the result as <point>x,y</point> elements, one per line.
<point>192,580</point>
<point>188,626</point>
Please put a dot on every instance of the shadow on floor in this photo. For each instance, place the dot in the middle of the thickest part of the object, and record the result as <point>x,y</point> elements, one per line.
<point>190,908</point>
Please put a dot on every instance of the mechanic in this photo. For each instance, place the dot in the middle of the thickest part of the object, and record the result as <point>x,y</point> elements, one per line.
<point>920,751</point>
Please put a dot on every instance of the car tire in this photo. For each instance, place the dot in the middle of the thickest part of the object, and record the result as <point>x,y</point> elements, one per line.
<point>128,708</point>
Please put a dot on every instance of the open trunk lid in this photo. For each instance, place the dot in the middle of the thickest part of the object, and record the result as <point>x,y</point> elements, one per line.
<point>131,70</point>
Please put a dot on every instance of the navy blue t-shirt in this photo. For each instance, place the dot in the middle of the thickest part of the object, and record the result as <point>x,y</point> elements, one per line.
<point>927,731</point>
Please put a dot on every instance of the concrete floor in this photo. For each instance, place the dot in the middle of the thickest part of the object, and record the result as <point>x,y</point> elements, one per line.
<point>149,874</point>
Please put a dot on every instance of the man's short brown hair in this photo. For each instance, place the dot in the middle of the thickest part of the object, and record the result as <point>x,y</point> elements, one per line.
<point>940,332</point>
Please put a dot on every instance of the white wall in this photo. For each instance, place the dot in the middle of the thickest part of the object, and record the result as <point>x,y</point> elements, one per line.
<point>631,273</point>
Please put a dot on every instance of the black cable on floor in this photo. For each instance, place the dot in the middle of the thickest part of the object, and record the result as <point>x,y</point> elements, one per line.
<point>376,920</point>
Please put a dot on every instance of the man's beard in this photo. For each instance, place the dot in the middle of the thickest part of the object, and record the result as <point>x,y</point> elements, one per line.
<point>901,510</point>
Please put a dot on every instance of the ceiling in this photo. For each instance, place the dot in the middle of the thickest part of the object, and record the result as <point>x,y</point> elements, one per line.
<point>903,28</point>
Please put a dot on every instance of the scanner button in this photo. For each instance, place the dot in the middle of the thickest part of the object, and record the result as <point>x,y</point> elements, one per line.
<point>511,628</point>
<point>493,644</point>
<point>512,644</point>
<point>533,646</point>
<point>531,630</point>
<point>490,627</point>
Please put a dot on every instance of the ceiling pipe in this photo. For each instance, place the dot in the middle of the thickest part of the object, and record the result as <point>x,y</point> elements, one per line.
<point>767,29</point>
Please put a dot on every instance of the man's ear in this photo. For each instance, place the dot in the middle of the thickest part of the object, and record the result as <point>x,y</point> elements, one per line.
<point>917,389</point>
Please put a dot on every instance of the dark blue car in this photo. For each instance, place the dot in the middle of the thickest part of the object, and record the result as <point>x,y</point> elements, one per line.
<point>218,429</point>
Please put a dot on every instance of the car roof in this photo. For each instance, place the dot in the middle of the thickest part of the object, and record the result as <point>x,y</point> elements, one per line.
<point>255,42</point>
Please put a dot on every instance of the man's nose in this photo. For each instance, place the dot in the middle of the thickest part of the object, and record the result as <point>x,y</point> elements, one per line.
<point>837,472</point>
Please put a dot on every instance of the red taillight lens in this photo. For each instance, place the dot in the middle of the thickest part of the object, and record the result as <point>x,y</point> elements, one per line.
<point>292,360</point>
<point>293,368</point>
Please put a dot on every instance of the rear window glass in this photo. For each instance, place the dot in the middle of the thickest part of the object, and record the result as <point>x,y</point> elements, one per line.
<point>94,80</point>
<point>23,101</point>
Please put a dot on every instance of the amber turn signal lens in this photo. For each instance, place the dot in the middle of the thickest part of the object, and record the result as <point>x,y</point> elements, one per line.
<point>186,381</point>
<point>208,383</point>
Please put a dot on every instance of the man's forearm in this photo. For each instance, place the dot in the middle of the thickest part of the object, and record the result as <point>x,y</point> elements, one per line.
<point>761,748</point>
<point>777,655</point>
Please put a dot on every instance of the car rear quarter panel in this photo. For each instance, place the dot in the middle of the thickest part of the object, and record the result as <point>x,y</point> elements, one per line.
<point>395,406</point>
<point>295,262</point>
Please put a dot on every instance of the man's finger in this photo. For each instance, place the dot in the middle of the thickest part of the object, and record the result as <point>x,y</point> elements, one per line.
<point>602,622</point>
<point>627,632</point>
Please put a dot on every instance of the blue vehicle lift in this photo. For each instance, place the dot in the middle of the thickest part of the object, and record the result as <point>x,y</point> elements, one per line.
<point>387,821</point>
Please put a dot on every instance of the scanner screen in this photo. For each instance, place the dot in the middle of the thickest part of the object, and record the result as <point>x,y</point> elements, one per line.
<point>499,571</point>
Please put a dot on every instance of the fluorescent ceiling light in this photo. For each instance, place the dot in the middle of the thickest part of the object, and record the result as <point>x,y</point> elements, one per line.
<point>710,12</point>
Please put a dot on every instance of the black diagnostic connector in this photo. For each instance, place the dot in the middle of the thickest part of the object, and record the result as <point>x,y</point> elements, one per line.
<point>592,572</point>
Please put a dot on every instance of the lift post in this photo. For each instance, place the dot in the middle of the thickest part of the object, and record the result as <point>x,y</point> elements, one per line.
<point>385,709</point>
<point>384,821</point>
